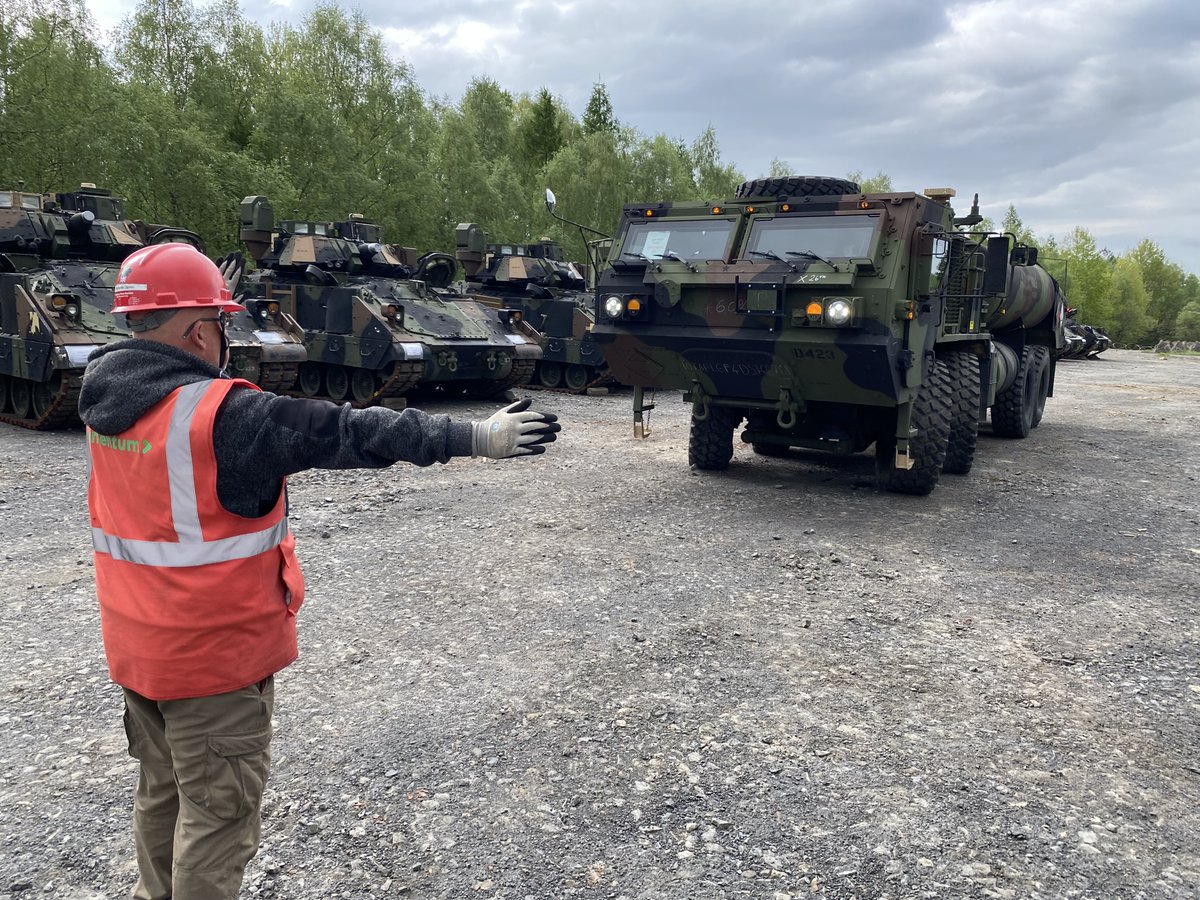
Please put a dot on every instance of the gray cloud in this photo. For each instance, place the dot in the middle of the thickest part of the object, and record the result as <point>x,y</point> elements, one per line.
<point>1079,112</point>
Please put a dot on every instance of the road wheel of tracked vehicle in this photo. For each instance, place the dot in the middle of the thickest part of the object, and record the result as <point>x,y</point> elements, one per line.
<point>20,397</point>
<point>964,411</point>
<point>309,379</point>
<point>931,420</point>
<point>796,186</point>
<point>1013,412</point>
<point>1043,382</point>
<point>44,393</point>
<point>576,377</point>
<point>710,441</point>
<point>549,374</point>
<point>363,385</point>
<point>337,383</point>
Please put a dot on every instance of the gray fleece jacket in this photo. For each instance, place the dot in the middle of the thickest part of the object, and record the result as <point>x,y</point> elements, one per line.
<point>259,437</point>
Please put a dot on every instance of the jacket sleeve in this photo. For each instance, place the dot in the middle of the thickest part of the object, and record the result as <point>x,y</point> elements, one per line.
<point>261,437</point>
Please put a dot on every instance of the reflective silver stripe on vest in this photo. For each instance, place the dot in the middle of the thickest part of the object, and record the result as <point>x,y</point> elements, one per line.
<point>191,549</point>
<point>173,556</point>
<point>185,512</point>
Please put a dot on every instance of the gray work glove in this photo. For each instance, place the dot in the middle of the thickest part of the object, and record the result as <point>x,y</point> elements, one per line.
<point>515,430</point>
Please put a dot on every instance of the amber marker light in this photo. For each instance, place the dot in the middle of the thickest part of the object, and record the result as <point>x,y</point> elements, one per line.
<point>787,207</point>
<point>749,210</point>
<point>814,309</point>
<point>649,213</point>
<point>716,210</point>
<point>633,307</point>
<point>58,302</point>
<point>864,204</point>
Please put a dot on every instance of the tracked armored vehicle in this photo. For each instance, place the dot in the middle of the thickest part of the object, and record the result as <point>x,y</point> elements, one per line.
<point>59,259</point>
<point>1082,341</point>
<point>377,320</point>
<point>831,319</point>
<point>551,294</point>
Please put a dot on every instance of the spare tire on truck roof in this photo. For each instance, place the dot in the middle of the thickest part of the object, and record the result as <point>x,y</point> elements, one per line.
<point>796,186</point>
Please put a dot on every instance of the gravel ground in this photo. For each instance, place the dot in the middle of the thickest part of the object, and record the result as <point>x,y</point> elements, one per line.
<point>599,674</point>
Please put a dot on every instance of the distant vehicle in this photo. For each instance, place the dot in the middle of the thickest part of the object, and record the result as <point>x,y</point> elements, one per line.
<point>378,321</point>
<point>59,257</point>
<point>553,298</point>
<point>827,318</point>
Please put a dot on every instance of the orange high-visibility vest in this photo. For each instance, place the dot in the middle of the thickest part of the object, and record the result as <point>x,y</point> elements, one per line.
<point>194,600</point>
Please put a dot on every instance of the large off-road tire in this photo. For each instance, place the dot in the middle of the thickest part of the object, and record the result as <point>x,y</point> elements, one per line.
<point>964,411</point>
<point>1016,405</point>
<point>710,441</point>
<point>1043,361</point>
<point>796,186</point>
<point>931,420</point>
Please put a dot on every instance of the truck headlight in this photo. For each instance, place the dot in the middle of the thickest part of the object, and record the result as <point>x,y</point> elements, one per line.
<point>839,312</point>
<point>613,307</point>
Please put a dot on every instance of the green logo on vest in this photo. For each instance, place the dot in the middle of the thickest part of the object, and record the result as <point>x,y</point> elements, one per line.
<point>128,445</point>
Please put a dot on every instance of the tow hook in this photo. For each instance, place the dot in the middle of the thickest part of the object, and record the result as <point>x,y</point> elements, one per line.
<point>786,417</point>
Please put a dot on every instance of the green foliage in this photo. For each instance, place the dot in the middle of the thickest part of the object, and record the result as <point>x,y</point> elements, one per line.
<point>541,131</point>
<point>599,116</point>
<point>1130,322</point>
<point>1087,279</point>
<point>54,88</point>
<point>1187,323</point>
<point>879,183</point>
<point>196,107</point>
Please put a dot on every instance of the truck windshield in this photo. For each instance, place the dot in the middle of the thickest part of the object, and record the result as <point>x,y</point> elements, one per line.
<point>701,239</point>
<point>835,237</point>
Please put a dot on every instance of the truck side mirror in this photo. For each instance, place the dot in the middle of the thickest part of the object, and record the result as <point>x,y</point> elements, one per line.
<point>550,201</point>
<point>995,278</point>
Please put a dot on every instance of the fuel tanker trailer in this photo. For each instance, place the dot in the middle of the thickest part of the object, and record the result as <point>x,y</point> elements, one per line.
<point>377,320</point>
<point>824,317</point>
<point>59,259</point>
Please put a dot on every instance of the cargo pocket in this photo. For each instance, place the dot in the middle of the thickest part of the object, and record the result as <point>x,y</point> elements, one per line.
<point>132,734</point>
<point>237,773</point>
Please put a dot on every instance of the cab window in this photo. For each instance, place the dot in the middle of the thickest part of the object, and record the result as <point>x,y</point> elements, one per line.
<point>692,240</point>
<point>794,237</point>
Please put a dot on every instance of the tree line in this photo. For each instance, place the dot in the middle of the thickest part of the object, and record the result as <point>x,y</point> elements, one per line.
<point>188,109</point>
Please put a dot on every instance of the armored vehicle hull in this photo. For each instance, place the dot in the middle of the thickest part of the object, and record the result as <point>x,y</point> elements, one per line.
<point>376,322</point>
<point>826,318</point>
<point>59,260</point>
<point>550,294</point>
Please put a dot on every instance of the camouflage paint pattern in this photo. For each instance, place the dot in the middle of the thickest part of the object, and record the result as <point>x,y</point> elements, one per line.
<point>732,303</point>
<point>373,326</point>
<point>552,296</point>
<point>59,258</point>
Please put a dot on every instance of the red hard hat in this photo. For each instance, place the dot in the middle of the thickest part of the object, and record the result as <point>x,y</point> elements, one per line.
<point>170,276</point>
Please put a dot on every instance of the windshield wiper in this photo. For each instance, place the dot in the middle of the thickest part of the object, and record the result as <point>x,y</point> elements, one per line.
<point>808,254</point>
<point>635,255</point>
<point>671,254</point>
<point>770,254</point>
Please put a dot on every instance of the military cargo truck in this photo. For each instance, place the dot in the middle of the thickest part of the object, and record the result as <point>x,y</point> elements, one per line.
<point>59,257</point>
<point>551,294</point>
<point>377,320</point>
<point>827,318</point>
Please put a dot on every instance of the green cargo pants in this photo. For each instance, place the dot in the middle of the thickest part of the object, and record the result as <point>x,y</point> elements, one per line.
<point>204,763</point>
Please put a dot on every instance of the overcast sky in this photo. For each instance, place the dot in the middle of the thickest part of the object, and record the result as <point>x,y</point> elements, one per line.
<point>1078,112</point>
